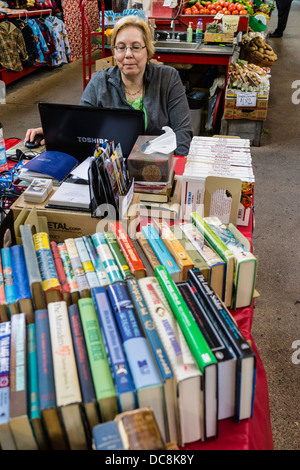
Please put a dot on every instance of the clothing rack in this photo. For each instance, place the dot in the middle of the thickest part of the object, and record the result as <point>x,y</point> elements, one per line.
<point>9,76</point>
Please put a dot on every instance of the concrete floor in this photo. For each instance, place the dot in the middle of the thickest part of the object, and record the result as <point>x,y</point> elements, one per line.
<point>276,325</point>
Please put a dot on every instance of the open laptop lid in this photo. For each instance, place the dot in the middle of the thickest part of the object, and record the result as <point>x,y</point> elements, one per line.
<point>74,129</point>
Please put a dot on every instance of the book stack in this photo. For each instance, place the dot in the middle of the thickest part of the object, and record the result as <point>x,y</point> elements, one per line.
<point>228,158</point>
<point>127,341</point>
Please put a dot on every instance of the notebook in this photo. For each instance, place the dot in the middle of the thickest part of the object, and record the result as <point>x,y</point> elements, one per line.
<point>75,129</point>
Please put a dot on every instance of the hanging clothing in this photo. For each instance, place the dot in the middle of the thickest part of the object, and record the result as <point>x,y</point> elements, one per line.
<point>29,39</point>
<point>12,47</point>
<point>61,40</point>
<point>41,45</point>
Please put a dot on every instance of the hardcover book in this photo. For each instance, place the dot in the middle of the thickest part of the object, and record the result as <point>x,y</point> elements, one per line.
<point>222,250</point>
<point>189,413</point>
<point>67,387</point>
<point>147,250</point>
<point>89,400</point>
<point>61,275</point>
<point>143,368</point>
<point>70,276</point>
<point>134,262</point>
<point>245,264</point>
<point>139,298</point>
<point>106,257</point>
<point>4,314</point>
<point>174,246</point>
<point>33,390</point>
<point>46,385</point>
<point>201,351</point>
<point>96,260</point>
<point>120,259</point>
<point>102,377</point>
<point>164,210</point>
<point>119,366</point>
<point>34,275</point>
<point>9,287</point>
<point>164,256</point>
<point>50,283</point>
<point>246,359</point>
<point>6,437</point>
<point>86,262</point>
<point>49,164</point>
<point>80,276</point>
<point>216,264</point>
<point>106,436</point>
<point>224,355</point>
<point>18,412</point>
<point>21,282</point>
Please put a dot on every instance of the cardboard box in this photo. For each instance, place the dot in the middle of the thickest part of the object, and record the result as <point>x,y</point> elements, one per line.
<point>218,37</point>
<point>64,224</point>
<point>232,111</point>
<point>105,63</point>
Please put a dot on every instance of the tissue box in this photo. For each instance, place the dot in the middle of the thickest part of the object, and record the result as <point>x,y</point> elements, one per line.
<point>148,167</point>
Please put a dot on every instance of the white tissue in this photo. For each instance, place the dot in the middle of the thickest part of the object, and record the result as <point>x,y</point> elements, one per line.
<point>165,143</point>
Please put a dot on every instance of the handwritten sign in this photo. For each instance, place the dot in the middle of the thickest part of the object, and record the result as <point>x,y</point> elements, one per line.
<point>246,99</point>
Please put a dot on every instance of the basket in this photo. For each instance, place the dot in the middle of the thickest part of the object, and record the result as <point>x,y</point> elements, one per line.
<point>247,55</point>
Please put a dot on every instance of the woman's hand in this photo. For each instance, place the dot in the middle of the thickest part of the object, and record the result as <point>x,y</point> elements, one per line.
<point>31,133</point>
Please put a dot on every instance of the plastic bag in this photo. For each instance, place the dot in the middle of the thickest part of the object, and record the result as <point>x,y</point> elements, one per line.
<point>165,143</point>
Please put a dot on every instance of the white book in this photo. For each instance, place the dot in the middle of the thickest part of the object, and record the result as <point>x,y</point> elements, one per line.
<point>188,376</point>
<point>71,195</point>
<point>86,262</point>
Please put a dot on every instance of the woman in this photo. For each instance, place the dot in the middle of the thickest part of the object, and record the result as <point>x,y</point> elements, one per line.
<point>138,83</point>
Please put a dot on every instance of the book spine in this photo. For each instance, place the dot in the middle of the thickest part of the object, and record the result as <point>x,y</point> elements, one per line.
<point>64,365</point>
<point>9,287</point>
<point>197,343</point>
<point>134,262</point>
<point>45,262</point>
<point>30,254</point>
<point>81,355</point>
<point>86,262</point>
<point>162,253</point>
<point>150,331</point>
<point>5,342</point>
<point>142,366</point>
<point>46,386</point>
<point>106,257</point>
<point>61,275</point>
<point>200,244</point>
<point>120,368</point>
<point>174,246</point>
<point>34,410</point>
<point>102,377</point>
<point>117,254</point>
<point>148,251</point>
<point>19,270</point>
<point>70,276</point>
<point>97,263</point>
<point>76,264</point>
<point>4,314</point>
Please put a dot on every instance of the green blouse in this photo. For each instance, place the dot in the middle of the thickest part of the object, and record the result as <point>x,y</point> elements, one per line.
<point>139,105</point>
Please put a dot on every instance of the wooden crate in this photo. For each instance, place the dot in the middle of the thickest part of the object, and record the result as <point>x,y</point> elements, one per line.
<point>218,37</point>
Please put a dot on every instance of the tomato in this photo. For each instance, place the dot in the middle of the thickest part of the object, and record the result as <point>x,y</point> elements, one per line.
<point>227,12</point>
<point>198,5</point>
<point>243,12</point>
<point>213,12</point>
<point>235,12</point>
<point>187,11</point>
<point>207,3</point>
<point>226,4</point>
<point>201,11</point>
<point>218,8</point>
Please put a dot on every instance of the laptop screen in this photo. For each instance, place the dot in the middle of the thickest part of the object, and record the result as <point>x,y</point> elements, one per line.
<point>75,129</point>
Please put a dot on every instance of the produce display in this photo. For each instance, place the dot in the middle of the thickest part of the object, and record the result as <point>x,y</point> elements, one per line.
<point>248,77</point>
<point>241,7</point>
<point>259,49</point>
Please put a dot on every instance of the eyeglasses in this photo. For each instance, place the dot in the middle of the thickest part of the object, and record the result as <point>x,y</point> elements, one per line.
<point>135,49</point>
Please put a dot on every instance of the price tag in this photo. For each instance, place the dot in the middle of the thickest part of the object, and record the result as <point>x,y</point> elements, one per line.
<point>218,16</point>
<point>246,99</point>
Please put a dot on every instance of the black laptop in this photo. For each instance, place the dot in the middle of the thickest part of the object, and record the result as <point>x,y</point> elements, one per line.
<point>75,129</point>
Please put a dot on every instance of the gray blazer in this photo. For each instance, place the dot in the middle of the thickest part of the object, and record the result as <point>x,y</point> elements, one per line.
<point>164,100</point>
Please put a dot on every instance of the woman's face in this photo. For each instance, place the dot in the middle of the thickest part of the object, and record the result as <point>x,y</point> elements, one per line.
<point>131,63</point>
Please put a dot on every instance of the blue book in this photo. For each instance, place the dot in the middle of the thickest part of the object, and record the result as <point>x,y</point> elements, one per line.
<point>49,164</point>
<point>46,385</point>
<point>107,436</point>
<point>118,363</point>
<point>164,256</point>
<point>107,257</point>
<point>161,358</point>
<point>87,387</point>
<point>143,368</point>
<point>9,288</point>
<point>6,438</point>
<point>33,390</point>
<point>97,263</point>
<point>21,282</point>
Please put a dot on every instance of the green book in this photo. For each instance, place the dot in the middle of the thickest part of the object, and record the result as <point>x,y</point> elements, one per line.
<point>101,372</point>
<point>222,250</point>
<point>120,259</point>
<point>200,350</point>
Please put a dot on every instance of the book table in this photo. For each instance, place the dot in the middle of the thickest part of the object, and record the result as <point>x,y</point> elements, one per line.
<point>249,434</point>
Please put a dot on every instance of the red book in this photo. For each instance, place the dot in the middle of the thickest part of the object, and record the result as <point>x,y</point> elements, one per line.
<point>61,275</point>
<point>133,260</point>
